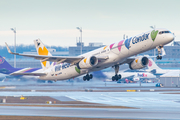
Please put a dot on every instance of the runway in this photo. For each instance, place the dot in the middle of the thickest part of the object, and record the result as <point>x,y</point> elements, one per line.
<point>89,112</point>
<point>149,105</point>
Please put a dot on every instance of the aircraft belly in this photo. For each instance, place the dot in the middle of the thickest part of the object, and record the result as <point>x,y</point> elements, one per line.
<point>70,72</point>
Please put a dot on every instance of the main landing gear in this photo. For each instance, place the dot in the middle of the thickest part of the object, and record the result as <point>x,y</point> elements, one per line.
<point>116,77</point>
<point>159,48</point>
<point>87,77</point>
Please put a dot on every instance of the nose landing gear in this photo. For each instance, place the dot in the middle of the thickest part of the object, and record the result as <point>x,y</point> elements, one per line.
<point>159,57</point>
<point>87,77</point>
<point>159,48</point>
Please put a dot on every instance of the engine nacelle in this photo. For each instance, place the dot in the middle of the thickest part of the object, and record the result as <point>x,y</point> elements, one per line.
<point>88,62</point>
<point>139,63</point>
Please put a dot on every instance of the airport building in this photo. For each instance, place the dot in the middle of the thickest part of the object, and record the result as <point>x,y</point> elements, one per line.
<point>172,57</point>
<point>76,50</point>
<point>170,79</point>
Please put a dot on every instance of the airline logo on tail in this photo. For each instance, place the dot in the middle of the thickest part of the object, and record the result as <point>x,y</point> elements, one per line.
<point>150,63</point>
<point>42,51</point>
<point>1,60</point>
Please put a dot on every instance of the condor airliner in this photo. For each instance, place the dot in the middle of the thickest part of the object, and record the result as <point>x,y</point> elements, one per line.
<point>115,54</point>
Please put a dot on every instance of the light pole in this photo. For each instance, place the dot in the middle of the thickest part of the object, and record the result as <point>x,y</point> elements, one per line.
<point>14,30</point>
<point>80,29</point>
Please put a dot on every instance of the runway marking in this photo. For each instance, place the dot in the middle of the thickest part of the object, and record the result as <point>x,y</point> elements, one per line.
<point>131,90</point>
<point>7,87</point>
<point>2,87</point>
<point>72,106</point>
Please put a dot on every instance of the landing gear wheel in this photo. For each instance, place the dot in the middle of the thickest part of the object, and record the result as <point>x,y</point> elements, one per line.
<point>119,76</point>
<point>159,57</point>
<point>87,77</point>
<point>159,48</point>
<point>116,77</point>
<point>113,78</point>
<point>90,76</point>
<point>84,78</point>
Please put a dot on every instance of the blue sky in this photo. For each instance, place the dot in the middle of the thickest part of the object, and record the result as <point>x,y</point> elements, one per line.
<point>55,21</point>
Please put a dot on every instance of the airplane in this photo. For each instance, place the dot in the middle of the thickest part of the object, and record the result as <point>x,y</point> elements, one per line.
<point>133,76</point>
<point>115,54</point>
<point>7,71</point>
<point>153,68</point>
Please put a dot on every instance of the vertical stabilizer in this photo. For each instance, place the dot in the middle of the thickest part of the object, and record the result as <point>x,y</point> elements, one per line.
<point>152,65</point>
<point>5,67</point>
<point>42,50</point>
<point>4,63</point>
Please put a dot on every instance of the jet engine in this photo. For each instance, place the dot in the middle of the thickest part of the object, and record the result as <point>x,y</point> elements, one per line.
<point>88,62</point>
<point>139,63</point>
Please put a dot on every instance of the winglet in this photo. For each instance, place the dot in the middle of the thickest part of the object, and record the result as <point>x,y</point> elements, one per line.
<point>8,48</point>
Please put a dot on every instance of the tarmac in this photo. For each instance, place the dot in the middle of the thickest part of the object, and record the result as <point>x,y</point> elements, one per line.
<point>93,99</point>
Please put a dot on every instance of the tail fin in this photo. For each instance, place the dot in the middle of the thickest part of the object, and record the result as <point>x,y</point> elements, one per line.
<point>4,63</point>
<point>42,50</point>
<point>152,65</point>
<point>5,67</point>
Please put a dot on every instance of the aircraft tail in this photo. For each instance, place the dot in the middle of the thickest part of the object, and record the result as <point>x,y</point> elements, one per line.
<point>42,50</point>
<point>5,67</point>
<point>152,65</point>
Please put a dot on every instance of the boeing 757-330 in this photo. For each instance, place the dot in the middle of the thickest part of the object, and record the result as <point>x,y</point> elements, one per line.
<point>115,54</point>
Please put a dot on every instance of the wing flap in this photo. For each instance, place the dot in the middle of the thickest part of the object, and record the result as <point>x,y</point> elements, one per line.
<point>30,74</point>
<point>103,57</point>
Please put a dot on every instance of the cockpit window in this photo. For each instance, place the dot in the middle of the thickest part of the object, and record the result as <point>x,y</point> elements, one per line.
<point>162,32</point>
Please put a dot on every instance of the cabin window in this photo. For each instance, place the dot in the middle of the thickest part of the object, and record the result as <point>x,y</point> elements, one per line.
<point>162,32</point>
<point>65,65</point>
<point>58,68</point>
<point>103,51</point>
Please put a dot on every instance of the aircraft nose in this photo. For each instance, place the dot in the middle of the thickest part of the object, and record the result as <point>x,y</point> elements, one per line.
<point>171,37</point>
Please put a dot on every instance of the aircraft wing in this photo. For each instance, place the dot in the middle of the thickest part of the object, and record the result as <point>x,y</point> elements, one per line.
<point>58,59</point>
<point>30,74</point>
<point>128,60</point>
